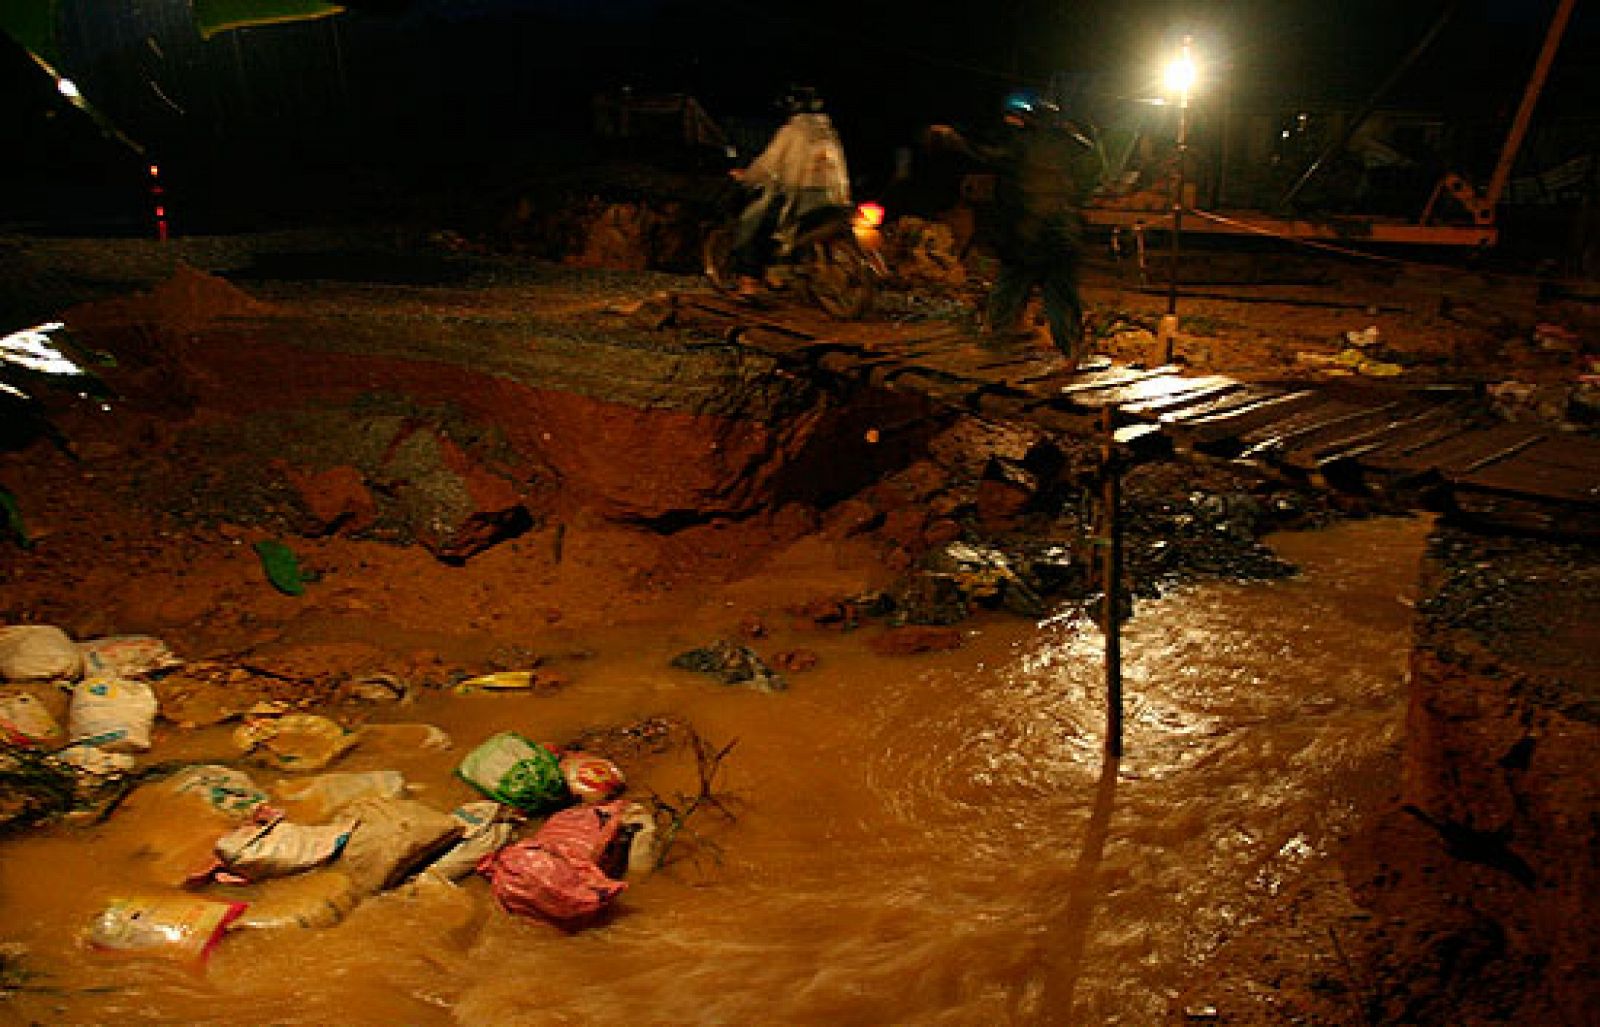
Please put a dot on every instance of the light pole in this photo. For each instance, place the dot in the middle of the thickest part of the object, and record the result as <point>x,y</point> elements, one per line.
<point>1180,78</point>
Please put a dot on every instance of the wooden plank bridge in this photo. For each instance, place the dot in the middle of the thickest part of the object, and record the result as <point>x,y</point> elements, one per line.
<point>1432,447</point>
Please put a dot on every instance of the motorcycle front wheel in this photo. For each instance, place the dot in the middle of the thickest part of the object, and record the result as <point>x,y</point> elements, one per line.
<point>839,278</point>
<point>717,256</point>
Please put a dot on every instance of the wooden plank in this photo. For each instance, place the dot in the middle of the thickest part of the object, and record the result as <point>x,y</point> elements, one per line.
<point>1578,454</point>
<point>1311,450</point>
<point>1242,414</point>
<point>1464,450</point>
<point>1275,436</point>
<point>1133,392</point>
<point>1428,423</point>
<point>1088,381</point>
<point>1532,479</point>
<point>1201,389</point>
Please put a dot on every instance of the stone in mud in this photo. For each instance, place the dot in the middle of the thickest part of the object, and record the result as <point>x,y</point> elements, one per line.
<point>337,499</point>
<point>731,665</point>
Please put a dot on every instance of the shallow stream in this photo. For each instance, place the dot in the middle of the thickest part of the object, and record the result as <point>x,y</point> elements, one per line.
<point>931,839</point>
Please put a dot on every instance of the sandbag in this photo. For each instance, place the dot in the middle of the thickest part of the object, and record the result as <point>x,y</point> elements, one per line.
<point>509,768</point>
<point>178,927</point>
<point>256,852</point>
<point>38,652</point>
<point>485,827</point>
<point>127,656</point>
<point>317,898</point>
<point>394,838</point>
<point>114,714</point>
<point>26,721</point>
<point>227,791</point>
<point>326,794</point>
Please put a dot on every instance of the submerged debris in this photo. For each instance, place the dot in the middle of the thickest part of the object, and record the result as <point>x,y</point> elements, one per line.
<point>731,664</point>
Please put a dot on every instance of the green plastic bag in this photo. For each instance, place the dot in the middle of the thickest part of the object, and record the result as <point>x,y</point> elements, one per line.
<point>283,570</point>
<point>510,769</point>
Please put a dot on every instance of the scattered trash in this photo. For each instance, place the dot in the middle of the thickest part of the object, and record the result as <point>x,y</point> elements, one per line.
<point>275,847</point>
<point>38,652</point>
<point>295,741</point>
<point>1363,339</point>
<point>26,721</point>
<point>375,688</point>
<point>591,778</point>
<point>179,927</point>
<point>510,769</point>
<point>731,664</point>
<point>503,681</point>
<point>114,714</point>
<point>281,567</point>
<point>556,874</point>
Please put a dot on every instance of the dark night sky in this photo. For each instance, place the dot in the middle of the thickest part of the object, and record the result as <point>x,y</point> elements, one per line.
<point>457,85</point>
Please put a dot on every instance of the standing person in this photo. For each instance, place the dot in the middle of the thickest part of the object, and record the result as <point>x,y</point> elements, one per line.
<point>801,169</point>
<point>1046,167</point>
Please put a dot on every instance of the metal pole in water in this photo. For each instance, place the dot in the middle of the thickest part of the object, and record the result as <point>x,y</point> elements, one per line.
<point>1111,576</point>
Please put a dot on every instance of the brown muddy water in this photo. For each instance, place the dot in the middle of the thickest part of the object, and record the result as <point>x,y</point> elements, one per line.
<point>921,840</point>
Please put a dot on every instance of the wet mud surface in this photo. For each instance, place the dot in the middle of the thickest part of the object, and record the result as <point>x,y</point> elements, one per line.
<point>925,831</point>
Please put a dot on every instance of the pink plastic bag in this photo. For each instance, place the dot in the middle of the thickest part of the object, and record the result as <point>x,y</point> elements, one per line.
<point>556,873</point>
<point>581,832</point>
<point>531,881</point>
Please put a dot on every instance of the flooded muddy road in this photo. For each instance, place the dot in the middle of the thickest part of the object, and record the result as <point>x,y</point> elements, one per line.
<point>925,839</point>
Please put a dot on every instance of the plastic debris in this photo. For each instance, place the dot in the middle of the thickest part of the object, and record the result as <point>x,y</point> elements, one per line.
<point>281,566</point>
<point>296,741</point>
<point>557,873</point>
<point>503,681</point>
<point>511,769</point>
<point>591,778</point>
<point>1364,338</point>
<point>11,519</point>
<point>179,927</point>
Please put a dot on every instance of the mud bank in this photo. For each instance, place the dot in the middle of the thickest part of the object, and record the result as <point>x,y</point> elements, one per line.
<point>1487,876</point>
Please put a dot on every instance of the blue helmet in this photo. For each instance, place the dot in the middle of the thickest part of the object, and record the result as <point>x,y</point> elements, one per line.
<point>1022,102</point>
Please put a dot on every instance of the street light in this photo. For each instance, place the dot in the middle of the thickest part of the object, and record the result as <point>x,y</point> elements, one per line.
<point>1180,78</point>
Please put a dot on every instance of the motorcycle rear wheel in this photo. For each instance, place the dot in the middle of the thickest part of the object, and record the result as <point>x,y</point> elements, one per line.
<point>839,278</point>
<point>717,256</point>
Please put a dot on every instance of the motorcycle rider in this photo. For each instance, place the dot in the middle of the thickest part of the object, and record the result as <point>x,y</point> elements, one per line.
<point>1046,166</point>
<point>802,169</point>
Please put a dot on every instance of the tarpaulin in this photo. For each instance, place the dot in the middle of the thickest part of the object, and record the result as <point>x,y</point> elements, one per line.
<point>214,16</point>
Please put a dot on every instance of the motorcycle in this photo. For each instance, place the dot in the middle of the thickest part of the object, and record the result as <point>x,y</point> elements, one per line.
<point>831,255</point>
